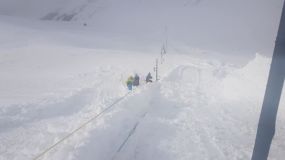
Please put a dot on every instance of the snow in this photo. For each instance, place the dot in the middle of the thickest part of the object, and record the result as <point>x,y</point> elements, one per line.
<point>199,110</point>
<point>242,27</point>
<point>56,76</point>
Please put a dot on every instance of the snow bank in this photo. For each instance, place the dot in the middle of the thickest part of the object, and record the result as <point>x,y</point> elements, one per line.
<point>222,107</point>
<point>248,82</point>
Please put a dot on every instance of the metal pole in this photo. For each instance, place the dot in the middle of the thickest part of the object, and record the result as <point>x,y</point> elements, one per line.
<point>267,120</point>
<point>166,42</point>
<point>156,69</point>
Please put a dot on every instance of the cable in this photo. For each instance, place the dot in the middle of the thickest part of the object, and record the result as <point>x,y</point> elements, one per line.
<point>80,127</point>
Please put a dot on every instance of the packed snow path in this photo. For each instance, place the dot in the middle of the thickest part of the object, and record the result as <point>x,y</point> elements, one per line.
<point>171,119</point>
<point>148,124</point>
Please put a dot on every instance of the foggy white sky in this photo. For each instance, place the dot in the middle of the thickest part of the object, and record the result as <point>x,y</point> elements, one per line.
<point>221,25</point>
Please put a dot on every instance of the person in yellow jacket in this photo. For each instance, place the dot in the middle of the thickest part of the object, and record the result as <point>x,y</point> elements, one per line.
<point>130,82</point>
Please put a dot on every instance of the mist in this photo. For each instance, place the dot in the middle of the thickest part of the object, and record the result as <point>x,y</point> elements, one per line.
<point>243,27</point>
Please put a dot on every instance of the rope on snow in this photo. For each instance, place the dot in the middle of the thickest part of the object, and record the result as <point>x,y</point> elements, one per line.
<point>79,128</point>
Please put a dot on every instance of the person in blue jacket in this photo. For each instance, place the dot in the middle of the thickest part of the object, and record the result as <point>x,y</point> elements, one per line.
<point>130,82</point>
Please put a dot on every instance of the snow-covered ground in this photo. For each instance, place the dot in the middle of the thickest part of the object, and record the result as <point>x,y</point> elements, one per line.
<point>199,110</point>
<point>56,76</point>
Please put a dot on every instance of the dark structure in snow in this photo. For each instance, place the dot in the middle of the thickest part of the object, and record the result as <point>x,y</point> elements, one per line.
<point>267,121</point>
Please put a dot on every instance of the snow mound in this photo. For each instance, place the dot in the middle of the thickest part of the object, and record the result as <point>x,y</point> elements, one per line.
<point>248,82</point>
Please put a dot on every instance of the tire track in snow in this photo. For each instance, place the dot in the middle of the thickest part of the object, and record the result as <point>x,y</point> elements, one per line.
<point>132,131</point>
<point>134,128</point>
